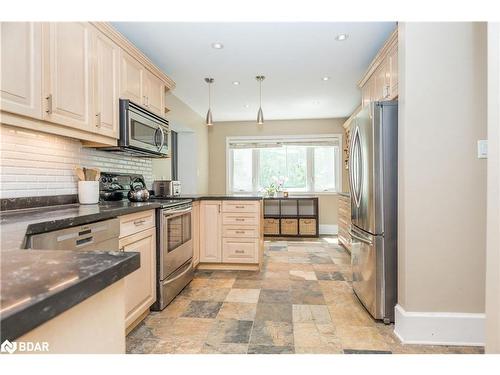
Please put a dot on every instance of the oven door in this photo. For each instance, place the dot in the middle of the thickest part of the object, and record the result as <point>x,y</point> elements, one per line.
<point>176,242</point>
<point>144,133</point>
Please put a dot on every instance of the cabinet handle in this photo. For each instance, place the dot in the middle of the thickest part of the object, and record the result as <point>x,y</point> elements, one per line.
<point>139,222</point>
<point>122,249</point>
<point>219,208</point>
<point>144,100</point>
<point>147,101</point>
<point>239,206</point>
<point>98,120</point>
<point>239,219</point>
<point>240,231</point>
<point>239,251</point>
<point>387,91</point>
<point>49,104</point>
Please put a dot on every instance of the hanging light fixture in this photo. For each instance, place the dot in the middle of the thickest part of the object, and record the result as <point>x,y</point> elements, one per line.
<point>208,120</point>
<point>260,114</point>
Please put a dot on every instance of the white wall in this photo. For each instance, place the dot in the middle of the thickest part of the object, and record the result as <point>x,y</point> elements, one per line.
<point>442,183</point>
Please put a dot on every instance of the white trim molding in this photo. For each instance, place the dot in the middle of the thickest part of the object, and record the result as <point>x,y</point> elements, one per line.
<point>328,229</point>
<point>439,328</point>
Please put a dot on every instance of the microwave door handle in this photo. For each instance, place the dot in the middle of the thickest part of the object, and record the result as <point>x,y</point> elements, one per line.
<point>162,138</point>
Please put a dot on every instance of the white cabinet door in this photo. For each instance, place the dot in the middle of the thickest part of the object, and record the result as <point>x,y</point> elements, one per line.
<point>140,285</point>
<point>21,68</point>
<point>67,74</point>
<point>106,74</point>
<point>394,71</point>
<point>210,232</point>
<point>131,79</point>
<point>154,92</point>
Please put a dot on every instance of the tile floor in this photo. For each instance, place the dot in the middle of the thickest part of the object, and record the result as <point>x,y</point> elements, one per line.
<point>301,302</point>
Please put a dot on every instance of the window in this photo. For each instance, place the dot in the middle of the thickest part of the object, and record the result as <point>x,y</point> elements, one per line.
<point>306,164</point>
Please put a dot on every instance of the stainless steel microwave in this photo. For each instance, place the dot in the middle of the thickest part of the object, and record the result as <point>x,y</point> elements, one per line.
<point>142,133</point>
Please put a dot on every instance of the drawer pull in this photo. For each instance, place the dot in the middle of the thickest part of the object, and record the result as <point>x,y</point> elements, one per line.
<point>239,219</point>
<point>239,206</point>
<point>139,222</point>
<point>240,231</point>
<point>239,251</point>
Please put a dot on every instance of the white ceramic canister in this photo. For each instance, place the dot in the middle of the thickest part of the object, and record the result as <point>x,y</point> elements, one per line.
<point>88,192</point>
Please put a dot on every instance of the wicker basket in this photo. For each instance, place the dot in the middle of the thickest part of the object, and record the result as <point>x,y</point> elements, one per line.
<point>271,226</point>
<point>307,227</point>
<point>289,226</point>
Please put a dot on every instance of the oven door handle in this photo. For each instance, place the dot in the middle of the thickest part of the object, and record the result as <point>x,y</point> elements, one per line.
<point>188,268</point>
<point>172,214</point>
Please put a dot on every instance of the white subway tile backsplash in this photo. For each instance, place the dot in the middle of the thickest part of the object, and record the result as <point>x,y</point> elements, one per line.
<point>37,164</point>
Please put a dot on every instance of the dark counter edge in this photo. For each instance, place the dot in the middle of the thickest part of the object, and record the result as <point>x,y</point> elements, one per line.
<point>218,197</point>
<point>23,321</point>
<point>48,226</point>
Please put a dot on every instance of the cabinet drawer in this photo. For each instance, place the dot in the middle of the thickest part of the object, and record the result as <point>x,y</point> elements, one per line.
<point>307,227</point>
<point>245,232</point>
<point>137,222</point>
<point>235,250</point>
<point>271,226</point>
<point>289,226</point>
<point>240,206</point>
<point>240,219</point>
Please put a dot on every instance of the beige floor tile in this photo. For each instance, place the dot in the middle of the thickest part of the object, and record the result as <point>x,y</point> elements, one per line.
<point>173,310</point>
<point>224,348</point>
<point>302,314</point>
<point>302,275</point>
<point>323,349</point>
<point>221,283</point>
<point>306,335</point>
<point>237,310</point>
<point>243,295</point>
<point>361,338</point>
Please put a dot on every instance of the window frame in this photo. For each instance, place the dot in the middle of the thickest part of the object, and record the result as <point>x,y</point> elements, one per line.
<point>284,138</point>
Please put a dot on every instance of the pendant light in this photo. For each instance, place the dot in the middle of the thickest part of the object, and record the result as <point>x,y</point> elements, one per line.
<point>208,120</point>
<point>260,114</point>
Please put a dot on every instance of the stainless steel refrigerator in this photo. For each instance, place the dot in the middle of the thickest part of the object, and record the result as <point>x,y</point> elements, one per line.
<point>373,178</point>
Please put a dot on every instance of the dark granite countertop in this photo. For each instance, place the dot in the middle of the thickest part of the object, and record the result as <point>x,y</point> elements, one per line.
<point>38,285</point>
<point>16,224</point>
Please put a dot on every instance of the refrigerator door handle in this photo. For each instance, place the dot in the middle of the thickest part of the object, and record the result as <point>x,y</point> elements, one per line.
<point>356,167</point>
<point>364,240</point>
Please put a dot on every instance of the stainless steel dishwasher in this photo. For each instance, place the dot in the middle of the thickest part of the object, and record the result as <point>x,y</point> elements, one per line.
<point>98,236</point>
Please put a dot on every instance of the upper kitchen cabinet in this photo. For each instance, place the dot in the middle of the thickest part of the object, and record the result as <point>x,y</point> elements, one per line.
<point>380,81</point>
<point>105,83</point>
<point>67,75</point>
<point>21,73</point>
<point>154,94</point>
<point>141,86</point>
<point>131,79</point>
<point>66,78</point>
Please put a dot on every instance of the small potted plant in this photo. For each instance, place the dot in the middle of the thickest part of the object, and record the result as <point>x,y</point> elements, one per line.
<point>279,182</point>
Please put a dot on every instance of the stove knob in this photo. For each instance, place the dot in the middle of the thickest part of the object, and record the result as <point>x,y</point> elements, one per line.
<point>103,179</point>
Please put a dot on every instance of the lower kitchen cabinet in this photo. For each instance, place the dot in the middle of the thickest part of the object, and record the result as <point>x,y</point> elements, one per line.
<point>210,232</point>
<point>230,233</point>
<point>196,233</point>
<point>344,217</point>
<point>140,286</point>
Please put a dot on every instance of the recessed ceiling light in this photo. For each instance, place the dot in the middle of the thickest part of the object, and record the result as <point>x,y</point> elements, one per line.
<point>326,78</point>
<point>236,83</point>
<point>217,45</point>
<point>341,37</point>
<point>247,105</point>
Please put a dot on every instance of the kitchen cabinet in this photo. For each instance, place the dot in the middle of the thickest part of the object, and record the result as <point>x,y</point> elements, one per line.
<point>138,234</point>
<point>140,85</point>
<point>21,68</point>
<point>230,233</point>
<point>105,84</point>
<point>154,94</point>
<point>394,72</point>
<point>196,233</point>
<point>210,232</point>
<point>131,79</point>
<point>380,81</point>
<point>344,218</point>
<point>67,74</point>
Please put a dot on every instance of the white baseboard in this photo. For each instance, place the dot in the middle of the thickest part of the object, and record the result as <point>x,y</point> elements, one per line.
<point>465,329</point>
<point>328,229</point>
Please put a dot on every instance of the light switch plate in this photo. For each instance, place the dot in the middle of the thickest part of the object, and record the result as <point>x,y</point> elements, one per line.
<point>482,149</point>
